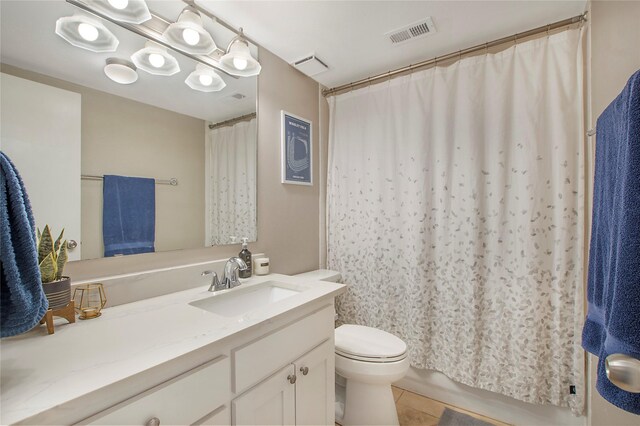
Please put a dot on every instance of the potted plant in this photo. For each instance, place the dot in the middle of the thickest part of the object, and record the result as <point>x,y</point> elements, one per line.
<point>52,257</point>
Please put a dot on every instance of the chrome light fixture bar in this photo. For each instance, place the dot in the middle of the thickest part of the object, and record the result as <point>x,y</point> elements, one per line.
<point>152,30</point>
<point>214,18</point>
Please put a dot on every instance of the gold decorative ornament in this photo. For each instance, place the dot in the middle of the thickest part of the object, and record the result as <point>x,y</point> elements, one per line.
<point>89,300</point>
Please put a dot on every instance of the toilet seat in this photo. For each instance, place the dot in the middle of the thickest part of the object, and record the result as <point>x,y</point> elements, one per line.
<point>367,344</point>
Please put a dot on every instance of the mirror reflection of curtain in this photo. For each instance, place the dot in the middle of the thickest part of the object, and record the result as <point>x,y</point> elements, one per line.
<point>231,157</point>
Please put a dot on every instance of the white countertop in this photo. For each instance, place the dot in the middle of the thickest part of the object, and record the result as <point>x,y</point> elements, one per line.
<point>40,371</point>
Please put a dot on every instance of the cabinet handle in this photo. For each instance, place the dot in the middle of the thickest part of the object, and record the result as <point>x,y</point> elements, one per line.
<point>153,421</point>
<point>292,378</point>
<point>304,370</point>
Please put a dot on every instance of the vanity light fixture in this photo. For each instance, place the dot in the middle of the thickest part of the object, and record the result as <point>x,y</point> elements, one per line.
<point>155,60</point>
<point>188,34</point>
<point>131,11</point>
<point>205,79</point>
<point>82,31</point>
<point>238,60</point>
<point>121,71</point>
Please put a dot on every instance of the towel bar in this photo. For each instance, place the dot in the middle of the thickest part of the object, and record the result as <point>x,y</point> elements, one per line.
<point>172,181</point>
<point>624,372</point>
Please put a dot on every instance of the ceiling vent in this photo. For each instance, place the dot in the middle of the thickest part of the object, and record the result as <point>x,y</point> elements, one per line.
<point>412,31</point>
<point>311,65</point>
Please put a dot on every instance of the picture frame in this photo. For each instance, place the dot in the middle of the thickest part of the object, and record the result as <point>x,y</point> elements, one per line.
<point>296,134</point>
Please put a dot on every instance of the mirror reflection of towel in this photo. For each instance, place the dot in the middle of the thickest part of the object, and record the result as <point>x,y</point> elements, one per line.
<point>128,215</point>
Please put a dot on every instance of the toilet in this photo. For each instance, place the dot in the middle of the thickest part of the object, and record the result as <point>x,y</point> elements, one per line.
<point>368,360</point>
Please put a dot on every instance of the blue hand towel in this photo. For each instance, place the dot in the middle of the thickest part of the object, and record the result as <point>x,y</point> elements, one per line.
<point>613,287</point>
<point>128,215</point>
<point>22,299</point>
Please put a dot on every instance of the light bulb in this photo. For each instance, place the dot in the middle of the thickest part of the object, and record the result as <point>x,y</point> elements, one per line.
<point>240,63</point>
<point>190,36</point>
<point>156,59</point>
<point>88,32</point>
<point>205,79</point>
<point>119,4</point>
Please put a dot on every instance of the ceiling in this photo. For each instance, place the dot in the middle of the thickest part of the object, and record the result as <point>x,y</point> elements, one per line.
<point>28,41</point>
<point>349,36</point>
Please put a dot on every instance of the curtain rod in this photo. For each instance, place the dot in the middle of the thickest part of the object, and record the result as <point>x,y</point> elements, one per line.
<point>233,121</point>
<point>434,61</point>
<point>172,181</point>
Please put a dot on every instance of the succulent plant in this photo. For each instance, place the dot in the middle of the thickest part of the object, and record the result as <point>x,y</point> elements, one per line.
<point>52,256</point>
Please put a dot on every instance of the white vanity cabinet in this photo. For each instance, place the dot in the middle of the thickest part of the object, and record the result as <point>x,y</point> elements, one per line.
<point>287,377</point>
<point>281,373</point>
<point>302,393</point>
<point>198,396</point>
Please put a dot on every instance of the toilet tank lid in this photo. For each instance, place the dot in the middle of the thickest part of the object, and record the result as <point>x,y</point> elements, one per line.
<point>368,342</point>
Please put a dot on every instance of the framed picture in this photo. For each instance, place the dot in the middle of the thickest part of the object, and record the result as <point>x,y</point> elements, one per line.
<point>296,151</point>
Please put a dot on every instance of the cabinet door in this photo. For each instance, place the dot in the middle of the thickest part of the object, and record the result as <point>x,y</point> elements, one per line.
<point>315,386</point>
<point>271,402</point>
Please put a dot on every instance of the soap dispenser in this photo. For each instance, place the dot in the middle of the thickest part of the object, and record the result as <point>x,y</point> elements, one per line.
<point>245,255</point>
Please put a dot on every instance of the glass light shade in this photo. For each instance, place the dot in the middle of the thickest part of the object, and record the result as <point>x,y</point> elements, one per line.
<point>238,60</point>
<point>121,71</point>
<point>205,79</point>
<point>155,60</point>
<point>87,33</point>
<point>189,35</point>
<point>131,11</point>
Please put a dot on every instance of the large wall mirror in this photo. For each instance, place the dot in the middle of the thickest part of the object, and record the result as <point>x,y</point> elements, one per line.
<point>185,122</point>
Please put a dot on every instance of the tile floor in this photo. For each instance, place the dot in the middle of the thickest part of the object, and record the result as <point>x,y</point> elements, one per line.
<point>414,410</point>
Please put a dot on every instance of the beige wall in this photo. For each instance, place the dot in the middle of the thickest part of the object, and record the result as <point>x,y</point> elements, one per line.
<point>288,215</point>
<point>125,137</point>
<point>615,55</point>
<point>288,218</point>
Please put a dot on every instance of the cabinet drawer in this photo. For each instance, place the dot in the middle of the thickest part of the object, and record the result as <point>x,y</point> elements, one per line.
<point>182,400</point>
<point>259,359</point>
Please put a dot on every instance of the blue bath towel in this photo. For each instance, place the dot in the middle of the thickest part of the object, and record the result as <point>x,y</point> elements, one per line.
<point>613,289</point>
<point>22,299</point>
<point>128,215</point>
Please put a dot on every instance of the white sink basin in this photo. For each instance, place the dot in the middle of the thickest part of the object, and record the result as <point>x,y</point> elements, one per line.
<point>243,300</point>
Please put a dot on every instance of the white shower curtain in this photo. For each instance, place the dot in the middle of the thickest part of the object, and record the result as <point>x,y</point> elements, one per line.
<point>231,166</point>
<point>456,216</point>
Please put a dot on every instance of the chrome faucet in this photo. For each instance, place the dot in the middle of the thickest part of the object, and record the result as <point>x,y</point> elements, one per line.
<point>215,282</point>
<point>231,278</point>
